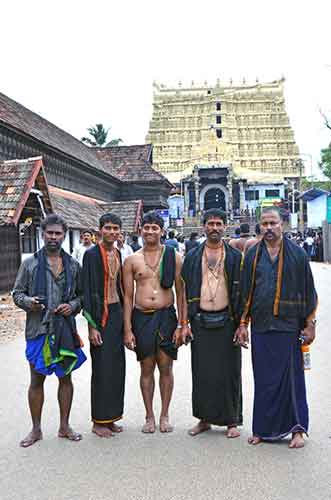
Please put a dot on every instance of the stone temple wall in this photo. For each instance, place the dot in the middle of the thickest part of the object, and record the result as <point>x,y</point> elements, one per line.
<point>247,125</point>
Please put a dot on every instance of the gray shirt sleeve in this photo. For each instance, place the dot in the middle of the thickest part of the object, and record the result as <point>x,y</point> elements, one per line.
<point>21,288</point>
<point>76,302</point>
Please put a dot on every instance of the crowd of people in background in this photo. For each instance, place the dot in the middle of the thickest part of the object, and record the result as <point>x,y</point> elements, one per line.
<point>242,238</point>
<point>311,241</point>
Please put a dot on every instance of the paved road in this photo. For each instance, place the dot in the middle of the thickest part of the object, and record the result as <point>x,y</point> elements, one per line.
<point>134,466</point>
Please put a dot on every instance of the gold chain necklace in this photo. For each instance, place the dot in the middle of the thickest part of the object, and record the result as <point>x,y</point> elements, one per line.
<point>216,275</point>
<point>215,270</point>
<point>112,264</point>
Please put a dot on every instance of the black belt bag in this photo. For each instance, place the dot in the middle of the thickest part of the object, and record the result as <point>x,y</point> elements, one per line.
<point>211,320</point>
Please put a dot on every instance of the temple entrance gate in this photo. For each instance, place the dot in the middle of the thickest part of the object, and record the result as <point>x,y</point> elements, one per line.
<point>214,198</point>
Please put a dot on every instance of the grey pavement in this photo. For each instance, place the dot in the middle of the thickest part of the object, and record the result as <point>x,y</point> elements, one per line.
<point>134,466</point>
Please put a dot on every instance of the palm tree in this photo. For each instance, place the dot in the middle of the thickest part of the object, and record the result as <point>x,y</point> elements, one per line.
<point>99,134</point>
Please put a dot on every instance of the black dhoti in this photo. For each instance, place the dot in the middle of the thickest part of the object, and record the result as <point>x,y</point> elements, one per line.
<point>216,374</point>
<point>154,330</point>
<point>108,370</point>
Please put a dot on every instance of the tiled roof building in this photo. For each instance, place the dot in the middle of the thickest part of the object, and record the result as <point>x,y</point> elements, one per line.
<point>82,181</point>
<point>20,181</point>
<point>24,198</point>
<point>71,165</point>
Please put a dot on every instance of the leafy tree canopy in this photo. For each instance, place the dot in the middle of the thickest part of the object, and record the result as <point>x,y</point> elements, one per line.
<point>325,164</point>
<point>306,183</point>
<point>98,137</point>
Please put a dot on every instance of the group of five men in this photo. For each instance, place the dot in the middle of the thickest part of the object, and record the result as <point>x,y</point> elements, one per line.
<point>217,294</point>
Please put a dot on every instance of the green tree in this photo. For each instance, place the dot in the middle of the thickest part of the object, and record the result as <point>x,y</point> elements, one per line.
<point>325,164</point>
<point>99,136</point>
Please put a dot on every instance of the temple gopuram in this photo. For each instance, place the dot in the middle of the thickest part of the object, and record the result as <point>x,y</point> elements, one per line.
<point>219,142</point>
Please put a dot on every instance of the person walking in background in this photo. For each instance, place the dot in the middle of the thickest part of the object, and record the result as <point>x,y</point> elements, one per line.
<point>171,241</point>
<point>181,245</point>
<point>250,242</point>
<point>192,242</point>
<point>135,245</point>
<point>85,244</point>
<point>240,242</point>
<point>123,247</point>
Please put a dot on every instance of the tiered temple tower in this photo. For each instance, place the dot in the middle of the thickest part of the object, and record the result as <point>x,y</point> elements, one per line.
<point>245,125</point>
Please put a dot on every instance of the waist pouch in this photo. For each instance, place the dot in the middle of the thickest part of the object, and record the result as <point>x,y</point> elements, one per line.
<point>211,320</point>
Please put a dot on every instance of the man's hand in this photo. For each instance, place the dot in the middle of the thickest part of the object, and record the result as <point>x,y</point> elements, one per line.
<point>130,340</point>
<point>178,338</point>
<point>35,305</point>
<point>241,336</point>
<point>187,335</point>
<point>94,337</point>
<point>63,309</point>
<point>309,334</point>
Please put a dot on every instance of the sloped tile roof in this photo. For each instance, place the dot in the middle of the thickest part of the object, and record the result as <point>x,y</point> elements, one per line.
<point>141,152</point>
<point>129,211</point>
<point>17,177</point>
<point>130,163</point>
<point>81,212</point>
<point>14,114</point>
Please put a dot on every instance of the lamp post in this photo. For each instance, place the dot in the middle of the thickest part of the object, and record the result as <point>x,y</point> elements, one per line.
<point>310,156</point>
<point>292,193</point>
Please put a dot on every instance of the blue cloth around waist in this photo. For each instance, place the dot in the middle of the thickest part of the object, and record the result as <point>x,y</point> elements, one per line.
<point>34,354</point>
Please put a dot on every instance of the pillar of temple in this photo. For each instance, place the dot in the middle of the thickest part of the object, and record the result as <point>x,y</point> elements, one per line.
<point>197,196</point>
<point>241,196</point>
<point>229,187</point>
<point>186,199</point>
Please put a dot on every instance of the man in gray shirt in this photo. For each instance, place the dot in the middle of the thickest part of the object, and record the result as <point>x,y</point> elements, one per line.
<point>48,288</point>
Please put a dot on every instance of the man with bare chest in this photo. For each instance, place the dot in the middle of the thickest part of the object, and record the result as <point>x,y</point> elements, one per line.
<point>102,280</point>
<point>211,275</point>
<point>254,240</point>
<point>240,242</point>
<point>150,322</point>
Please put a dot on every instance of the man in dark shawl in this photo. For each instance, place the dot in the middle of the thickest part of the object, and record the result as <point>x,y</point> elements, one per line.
<point>48,288</point>
<point>102,304</point>
<point>211,275</point>
<point>280,300</point>
<point>150,322</point>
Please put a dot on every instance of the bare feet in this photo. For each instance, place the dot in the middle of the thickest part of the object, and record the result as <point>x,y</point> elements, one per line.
<point>115,428</point>
<point>254,440</point>
<point>164,425</point>
<point>102,430</point>
<point>31,438</point>
<point>200,427</point>
<point>149,426</point>
<point>233,432</point>
<point>70,434</point>
<point>297,441</point>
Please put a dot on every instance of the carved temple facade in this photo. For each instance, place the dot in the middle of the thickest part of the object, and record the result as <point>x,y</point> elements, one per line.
<point>244,125</point>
